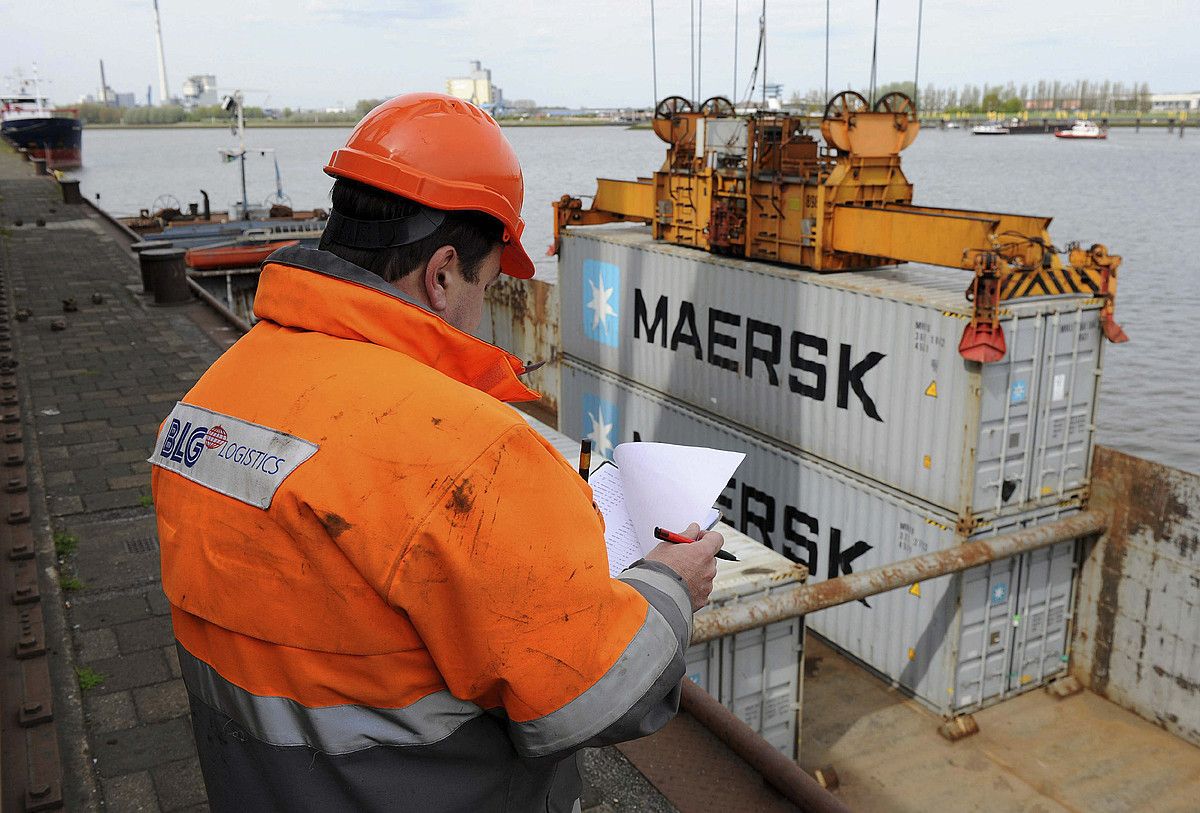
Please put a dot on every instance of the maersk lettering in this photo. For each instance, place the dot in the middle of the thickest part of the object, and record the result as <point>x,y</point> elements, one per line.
<point>815,390</point>
<point>753,512</point>
<point>715,337</point>
<point>851,378</point>
<point>640,321</point>
<point>762,350</point>
<point>800,547</point>
<point>687,322</point>
<point>769,356</point>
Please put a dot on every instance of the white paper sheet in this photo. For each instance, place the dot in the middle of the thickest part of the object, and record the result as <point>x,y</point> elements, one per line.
<point>671,486</point>
<point>619,536</point>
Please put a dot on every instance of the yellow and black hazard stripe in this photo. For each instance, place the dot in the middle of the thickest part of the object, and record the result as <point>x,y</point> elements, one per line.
<point>1052,282</point>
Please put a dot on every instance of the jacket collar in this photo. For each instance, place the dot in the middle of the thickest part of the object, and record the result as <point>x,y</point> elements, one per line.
<point>315,290</point>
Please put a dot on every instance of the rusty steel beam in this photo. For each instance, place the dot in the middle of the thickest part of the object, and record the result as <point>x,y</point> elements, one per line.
<point>780,772</point>
<point>809,598</point>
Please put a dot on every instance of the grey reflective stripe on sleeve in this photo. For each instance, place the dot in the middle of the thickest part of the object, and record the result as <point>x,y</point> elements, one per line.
<point>330,729</point>
<point>668,584</point>
<point>628,681</point>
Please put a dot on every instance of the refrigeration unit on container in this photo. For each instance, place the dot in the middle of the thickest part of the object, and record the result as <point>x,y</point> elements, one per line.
<point>859,369</point>
<point>757,674</point>
<point>956,643</point>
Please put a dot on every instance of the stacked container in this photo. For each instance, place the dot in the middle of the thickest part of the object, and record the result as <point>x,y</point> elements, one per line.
<point>757,674</point>
<point>869,439</point>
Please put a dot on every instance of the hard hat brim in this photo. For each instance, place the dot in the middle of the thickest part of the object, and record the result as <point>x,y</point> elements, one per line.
<point>515,261</point>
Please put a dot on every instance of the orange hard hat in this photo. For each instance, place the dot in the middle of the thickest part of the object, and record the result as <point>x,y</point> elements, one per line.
<point>443,153</point>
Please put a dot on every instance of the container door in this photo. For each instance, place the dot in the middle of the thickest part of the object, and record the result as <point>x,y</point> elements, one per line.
<point>703,665</point>
<point>1043,607</point>
<point>761,671</point>
<point>985,646</point>
<point>1006,442</point>
<point>1066,403</point>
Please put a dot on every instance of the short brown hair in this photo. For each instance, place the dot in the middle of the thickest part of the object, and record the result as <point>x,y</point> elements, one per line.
<point>472,234</point>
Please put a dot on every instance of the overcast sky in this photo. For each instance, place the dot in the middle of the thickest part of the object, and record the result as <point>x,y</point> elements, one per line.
<point>317,53</point>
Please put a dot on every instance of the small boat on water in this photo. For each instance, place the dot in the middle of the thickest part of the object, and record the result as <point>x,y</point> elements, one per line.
<point>1083,130</point>
<point>239,255</point>
<point>992,128</point>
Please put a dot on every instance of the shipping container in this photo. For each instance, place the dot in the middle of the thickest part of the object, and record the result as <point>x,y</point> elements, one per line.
<point>955,642</point>
<point>521,316</point>
<point>860,369</point>
<point>757,674</point>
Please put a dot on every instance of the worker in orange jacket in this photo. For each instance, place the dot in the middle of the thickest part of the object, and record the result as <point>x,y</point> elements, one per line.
<point>388,591</point>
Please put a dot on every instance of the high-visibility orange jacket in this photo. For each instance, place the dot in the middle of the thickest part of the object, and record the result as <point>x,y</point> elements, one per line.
<point>388,591</point>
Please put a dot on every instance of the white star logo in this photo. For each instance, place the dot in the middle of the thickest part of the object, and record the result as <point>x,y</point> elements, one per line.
<point>601,433</point>
<point>600,305</point>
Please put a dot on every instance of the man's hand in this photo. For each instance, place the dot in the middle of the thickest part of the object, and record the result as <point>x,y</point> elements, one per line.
<point>694,563</point>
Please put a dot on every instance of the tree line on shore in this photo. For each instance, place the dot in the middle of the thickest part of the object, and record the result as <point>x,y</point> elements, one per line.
<point>95,113</point>
<point>1045,96</point>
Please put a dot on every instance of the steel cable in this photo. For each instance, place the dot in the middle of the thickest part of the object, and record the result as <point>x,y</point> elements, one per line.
<point>917,66</point>
<point>826,99</point>
<point>874,53</point>
<point>692,58</point>
<point>699,52</point>
<point>653,58</point>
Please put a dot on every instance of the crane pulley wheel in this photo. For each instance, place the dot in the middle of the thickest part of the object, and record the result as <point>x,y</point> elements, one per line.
<point>896,102</point>
<point>846,104</point>
<point>718,106</point>
<point>671,106</point>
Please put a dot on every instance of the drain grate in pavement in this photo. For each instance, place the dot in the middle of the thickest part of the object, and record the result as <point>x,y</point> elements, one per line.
<point>145,544</point>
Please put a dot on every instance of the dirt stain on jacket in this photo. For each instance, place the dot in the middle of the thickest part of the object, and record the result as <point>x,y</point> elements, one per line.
<point>462,497</point>
<point>335,524</point>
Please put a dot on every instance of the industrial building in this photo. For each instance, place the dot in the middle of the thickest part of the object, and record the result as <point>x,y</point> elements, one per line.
<point>1175,101</point>
<point>477,88</point>
<point>200,91</point>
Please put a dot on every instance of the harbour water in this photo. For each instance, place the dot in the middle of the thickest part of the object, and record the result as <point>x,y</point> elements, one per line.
<point>1130,192</point>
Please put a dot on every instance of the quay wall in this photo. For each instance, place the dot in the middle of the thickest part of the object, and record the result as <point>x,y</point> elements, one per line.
<point>1137,637</point>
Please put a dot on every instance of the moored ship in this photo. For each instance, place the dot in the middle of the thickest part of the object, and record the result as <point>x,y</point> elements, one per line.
<point>28,121</point>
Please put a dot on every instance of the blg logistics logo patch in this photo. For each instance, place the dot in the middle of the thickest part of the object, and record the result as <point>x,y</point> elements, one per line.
<point>237,458</point>
<point>184,444</point>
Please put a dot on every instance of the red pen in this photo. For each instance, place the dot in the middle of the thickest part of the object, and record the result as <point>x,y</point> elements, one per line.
<point>680,539</point>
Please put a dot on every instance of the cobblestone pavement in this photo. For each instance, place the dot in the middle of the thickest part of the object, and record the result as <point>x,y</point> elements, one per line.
<point>97,391</point>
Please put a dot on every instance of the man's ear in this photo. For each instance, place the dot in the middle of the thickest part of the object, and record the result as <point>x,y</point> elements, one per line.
<point>438,272</point>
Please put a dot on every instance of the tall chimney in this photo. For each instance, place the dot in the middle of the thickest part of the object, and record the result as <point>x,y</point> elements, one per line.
<point>103,86</point>
<point>163,93</point>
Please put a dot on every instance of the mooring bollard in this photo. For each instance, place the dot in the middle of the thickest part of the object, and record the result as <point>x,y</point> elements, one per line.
<point>70,192</point>
<point>39,166</point>
<point>164,270</point>
<point>141,247</point>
